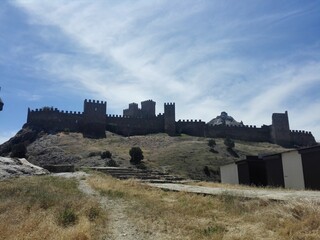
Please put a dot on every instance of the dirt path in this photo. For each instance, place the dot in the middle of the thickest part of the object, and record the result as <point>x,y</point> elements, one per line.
<point>121,228</point>
<point>267,194</point>
<point>120,225</point>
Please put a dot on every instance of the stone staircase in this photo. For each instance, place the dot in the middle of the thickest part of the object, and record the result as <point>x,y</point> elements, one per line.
<point>150,176</point>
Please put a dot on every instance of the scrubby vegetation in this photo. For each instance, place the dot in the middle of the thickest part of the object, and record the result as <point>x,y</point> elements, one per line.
<point>54,208</point>
<point>180,155</point>
<point>179,215</point>
<point>106,154</point>
<point>48,208</point>
<point>136,155</point>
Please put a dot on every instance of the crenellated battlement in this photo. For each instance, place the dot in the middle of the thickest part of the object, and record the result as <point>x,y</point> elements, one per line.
<point>300,131</point>
<point>94,121</point>
<point>190,121</point>
<point>94,101</point>
<point>169,104</point>
<point>52,110</point>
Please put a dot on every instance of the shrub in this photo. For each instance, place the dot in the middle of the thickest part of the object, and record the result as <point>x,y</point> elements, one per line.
<point>136,155</point>
<point>206,171</point>
<point>106,154</point>
<point>212,143</point>
<point>19,151</point>
<point>229,143</point>
<point>67,217</point>
<point>93,213</point>
<point>94,154</point>
<point>112,163</point>
<point>141,166</point>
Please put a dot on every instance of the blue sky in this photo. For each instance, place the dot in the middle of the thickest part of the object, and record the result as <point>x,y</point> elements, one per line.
<point>249,58</point>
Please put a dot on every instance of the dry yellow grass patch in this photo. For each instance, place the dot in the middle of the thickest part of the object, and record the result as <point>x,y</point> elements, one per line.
<point>48,208</point>
<point>181,215</point>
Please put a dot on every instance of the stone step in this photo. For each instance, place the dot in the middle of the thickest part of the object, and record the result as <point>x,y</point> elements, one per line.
<point>143,175</point>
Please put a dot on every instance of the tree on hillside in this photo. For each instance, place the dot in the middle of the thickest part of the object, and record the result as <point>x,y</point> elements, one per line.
<point>229,143</point>
<point>212,143</point>
<point>136,155</point>
<point>106,154</point>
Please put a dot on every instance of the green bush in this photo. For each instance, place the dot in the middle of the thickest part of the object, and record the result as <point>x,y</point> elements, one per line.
<point>136,155</point>
<point>67,217</point>
<point>18,151</point>
<point>229,143</point>
<point>93,213</point>
<point>106,154</point>
<point>111,163</point>
<point>212,143</point>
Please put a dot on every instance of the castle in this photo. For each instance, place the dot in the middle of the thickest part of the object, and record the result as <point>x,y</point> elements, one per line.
<point>94,121</point>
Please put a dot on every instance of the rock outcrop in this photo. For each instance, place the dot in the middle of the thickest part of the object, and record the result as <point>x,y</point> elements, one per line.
<point>225,119</point>
<point>14,167</point>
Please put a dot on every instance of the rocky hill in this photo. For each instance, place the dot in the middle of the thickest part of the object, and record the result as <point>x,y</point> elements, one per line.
<point>183,155</point>
<point>225,119</point>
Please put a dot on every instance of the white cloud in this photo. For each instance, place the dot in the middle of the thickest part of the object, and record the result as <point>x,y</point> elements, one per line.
<point>130,51</point>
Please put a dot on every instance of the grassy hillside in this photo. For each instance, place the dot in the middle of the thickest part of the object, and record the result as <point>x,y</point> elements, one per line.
<point>183,155</point>
<point>54,208</point>
<point>48,208</point>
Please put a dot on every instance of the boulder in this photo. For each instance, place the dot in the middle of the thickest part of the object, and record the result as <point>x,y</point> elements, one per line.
<point>14,167</point>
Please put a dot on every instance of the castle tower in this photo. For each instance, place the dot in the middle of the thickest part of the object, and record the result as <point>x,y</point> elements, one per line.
<point>170,119</point>
<point>280,130</point>
<point>94,119</point>
<point>148,109</point>
<point>132,111</point>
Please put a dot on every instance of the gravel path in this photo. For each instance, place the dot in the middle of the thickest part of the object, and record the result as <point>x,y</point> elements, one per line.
<point>267,194</point>
<point>121,228</point>
<point>120,225</point>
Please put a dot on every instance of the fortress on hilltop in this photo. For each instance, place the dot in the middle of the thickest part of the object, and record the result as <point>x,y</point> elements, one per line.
<point>94,121</point>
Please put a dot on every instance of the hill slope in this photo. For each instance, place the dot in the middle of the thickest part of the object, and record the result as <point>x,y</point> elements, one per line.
<point>183,155</point>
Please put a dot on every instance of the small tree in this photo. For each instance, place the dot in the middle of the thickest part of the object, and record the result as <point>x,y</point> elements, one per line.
<point>136,155</point>
<point>229,143</point>
<point>106,154</point>
<point>212,143</point>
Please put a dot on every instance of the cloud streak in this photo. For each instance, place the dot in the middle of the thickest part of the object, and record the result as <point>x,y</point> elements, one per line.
<point>205,56</point>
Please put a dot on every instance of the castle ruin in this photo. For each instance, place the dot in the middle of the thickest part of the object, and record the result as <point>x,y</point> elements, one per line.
<point>94,121</point>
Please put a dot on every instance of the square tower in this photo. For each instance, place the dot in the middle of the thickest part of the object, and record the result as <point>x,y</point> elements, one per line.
<point>280,132</point>
<point>170,119</point>
<point>148,109</point>
<point>94,119</point>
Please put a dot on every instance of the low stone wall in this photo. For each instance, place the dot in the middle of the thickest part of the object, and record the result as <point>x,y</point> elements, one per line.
<point>59,168</point>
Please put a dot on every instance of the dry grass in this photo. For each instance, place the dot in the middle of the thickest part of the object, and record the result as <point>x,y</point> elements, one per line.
<point>48,208</point>
<point>182,155</point>
<point>179,215</point>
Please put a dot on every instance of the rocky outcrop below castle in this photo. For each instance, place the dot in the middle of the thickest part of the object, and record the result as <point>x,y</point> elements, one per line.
<point>14,167</point>
<point>225,119</point>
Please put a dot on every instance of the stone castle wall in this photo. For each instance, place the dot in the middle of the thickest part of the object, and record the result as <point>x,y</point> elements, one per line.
<point>94,121</point>
<point>191,127</point>
<point>245,133</point>
<point>54,120</point>
<point>301,138</point>
<point>128,126</point>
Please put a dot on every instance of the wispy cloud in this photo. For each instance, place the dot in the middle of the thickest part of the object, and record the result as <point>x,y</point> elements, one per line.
<point>207,57</point>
